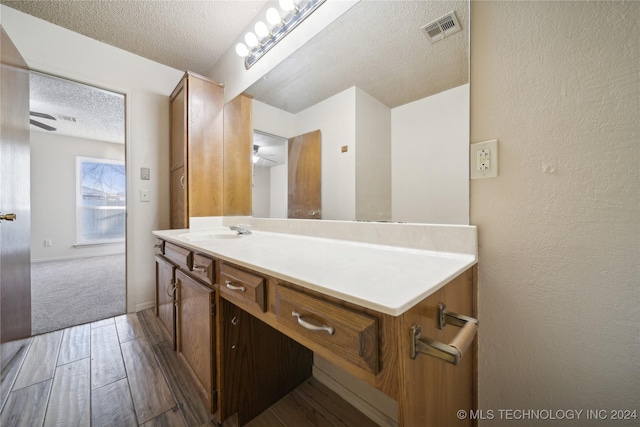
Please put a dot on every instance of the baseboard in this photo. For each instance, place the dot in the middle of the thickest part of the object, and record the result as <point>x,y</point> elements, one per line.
<point>145,305</point>
<point>360,404</point>
<point>65,258</point>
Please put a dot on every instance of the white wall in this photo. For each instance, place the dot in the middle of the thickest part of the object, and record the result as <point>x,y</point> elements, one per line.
<point>279,191</point>
<point>335,117</point>
<point>261,190</point>
<point>53,194</point>
<point>373,158</point>
<point>147,85</point>
<point>558,84</point>
<point>430,159</point>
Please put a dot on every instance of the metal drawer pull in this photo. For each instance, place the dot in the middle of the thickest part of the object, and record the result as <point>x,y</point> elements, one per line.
<point>309,326</point>
<point>234,288</point>
<point>199,269</point>
<point>453,351</point>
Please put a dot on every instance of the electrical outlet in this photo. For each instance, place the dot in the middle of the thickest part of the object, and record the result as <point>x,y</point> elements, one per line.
<point>47,243</point>
<point>484,159</point>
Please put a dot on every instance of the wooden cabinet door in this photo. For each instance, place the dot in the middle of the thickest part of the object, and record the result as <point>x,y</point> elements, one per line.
<point>196,334</point>
<point>165,294</point>
<point>178,215</point>
<point>238,150</point>
<point>205,150</point>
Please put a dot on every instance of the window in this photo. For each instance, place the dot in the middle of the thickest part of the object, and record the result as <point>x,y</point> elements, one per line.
<point>101,200</point>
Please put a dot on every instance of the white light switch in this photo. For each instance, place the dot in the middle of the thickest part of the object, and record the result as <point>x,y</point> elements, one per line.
<point>484,159</point>
<point>144,195</point>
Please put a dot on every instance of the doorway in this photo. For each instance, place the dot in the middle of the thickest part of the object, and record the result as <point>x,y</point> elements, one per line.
<point>78,203</point>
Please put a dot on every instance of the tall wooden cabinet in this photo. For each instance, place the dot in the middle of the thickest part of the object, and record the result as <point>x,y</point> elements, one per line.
<point>211,149</point>
<point>197,148</point>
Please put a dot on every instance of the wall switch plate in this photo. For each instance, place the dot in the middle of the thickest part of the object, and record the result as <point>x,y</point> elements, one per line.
<point>484,159</point>
<point>47,243</point>
<point>145,174</point>
<point>144,195</point>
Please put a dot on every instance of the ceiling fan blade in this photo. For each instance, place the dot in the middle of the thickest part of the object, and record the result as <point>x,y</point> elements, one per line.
<point>41,125</point>
<point>42,115</point>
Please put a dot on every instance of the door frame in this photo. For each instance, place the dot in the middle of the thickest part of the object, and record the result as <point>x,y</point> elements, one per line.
<point>83,79</point>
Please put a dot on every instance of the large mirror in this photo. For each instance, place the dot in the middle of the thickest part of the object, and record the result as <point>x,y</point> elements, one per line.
<point>391,101</point>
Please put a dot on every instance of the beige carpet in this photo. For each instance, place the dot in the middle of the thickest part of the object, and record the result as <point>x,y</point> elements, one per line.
<point>72,292</point>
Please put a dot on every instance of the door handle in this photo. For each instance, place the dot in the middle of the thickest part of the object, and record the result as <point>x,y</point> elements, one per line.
<point>7,217</point>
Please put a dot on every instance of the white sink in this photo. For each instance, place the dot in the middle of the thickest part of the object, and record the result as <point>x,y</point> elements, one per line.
<point>203,236</point>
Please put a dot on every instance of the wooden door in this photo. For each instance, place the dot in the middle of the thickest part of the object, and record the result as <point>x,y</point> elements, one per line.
<point>165,297</point>
<point>179,217</point>
<point>196,334</point>
<point>305,188</point>
<point>15,239</point>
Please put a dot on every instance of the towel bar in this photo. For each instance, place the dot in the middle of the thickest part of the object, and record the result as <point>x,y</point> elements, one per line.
<point>453,351</point>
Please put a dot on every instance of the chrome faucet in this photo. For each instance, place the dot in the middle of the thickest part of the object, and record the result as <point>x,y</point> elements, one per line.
<point>240,229</point>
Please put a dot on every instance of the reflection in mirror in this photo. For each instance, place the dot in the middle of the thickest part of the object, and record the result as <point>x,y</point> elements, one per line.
<point>269,176</point>
<point>393,109</point>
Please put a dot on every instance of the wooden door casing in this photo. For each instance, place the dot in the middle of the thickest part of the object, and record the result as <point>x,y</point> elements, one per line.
<point>305,185</point>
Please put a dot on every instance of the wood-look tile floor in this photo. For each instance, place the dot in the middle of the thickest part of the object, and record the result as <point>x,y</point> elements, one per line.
<point>122,372</point>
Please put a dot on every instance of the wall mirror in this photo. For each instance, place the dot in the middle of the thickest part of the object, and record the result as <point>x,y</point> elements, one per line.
<point>391,101</point>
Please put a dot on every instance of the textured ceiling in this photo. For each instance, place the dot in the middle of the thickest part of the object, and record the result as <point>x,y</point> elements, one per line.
<point>186,35</point>
<point>379,47</point>
<point>80,110</point>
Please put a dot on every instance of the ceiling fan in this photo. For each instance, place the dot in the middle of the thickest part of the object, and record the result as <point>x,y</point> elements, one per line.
<point>256,156</point>
<point>40,124</point>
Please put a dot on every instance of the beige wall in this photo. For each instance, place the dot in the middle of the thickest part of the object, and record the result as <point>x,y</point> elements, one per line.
<point>147,86</point>
<point>53,194</point>
<point>557,83</point>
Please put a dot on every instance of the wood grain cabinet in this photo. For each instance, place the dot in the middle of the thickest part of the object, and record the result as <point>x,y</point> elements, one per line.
<point>185,306</point>
<point>165,296</point>
<point>196,334</point>
<point>196,153</point>
<point>248,339</point>
<point>210,154</point>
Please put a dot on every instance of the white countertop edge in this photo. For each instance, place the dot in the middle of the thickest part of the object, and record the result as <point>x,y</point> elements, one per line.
<point>462,263</point>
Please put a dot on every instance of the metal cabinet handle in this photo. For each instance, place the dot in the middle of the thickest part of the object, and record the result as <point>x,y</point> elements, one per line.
<point>234,288</point>
<point>171,292</point>
<point>310,326</point>
<point>182,181</point>
<point>199,269</point>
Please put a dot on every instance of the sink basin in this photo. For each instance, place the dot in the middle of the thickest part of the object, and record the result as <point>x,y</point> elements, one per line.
<point>203,236</point>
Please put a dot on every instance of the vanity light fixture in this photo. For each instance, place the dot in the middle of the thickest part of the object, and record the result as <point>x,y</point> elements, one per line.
<point>279,25</point>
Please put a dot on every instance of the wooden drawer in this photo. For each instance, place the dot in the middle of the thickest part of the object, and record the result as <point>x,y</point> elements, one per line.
<point>242,288</point>
<point>177,254</point>
<point>348,334</point>
<point>203,268</point>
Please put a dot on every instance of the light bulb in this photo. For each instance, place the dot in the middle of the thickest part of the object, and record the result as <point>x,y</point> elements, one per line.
<point>273,16</point>
<point>261,29</point>
<point>251,40</point>
<point>242,50</point>
<point>287,5</point>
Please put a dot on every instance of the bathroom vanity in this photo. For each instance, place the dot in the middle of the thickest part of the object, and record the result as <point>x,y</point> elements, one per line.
<point>248,312</point>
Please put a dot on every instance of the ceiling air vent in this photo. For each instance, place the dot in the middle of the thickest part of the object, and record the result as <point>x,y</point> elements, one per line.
<point>442,27</point>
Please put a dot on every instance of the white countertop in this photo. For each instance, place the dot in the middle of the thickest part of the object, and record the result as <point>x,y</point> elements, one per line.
<point>385,278</point>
